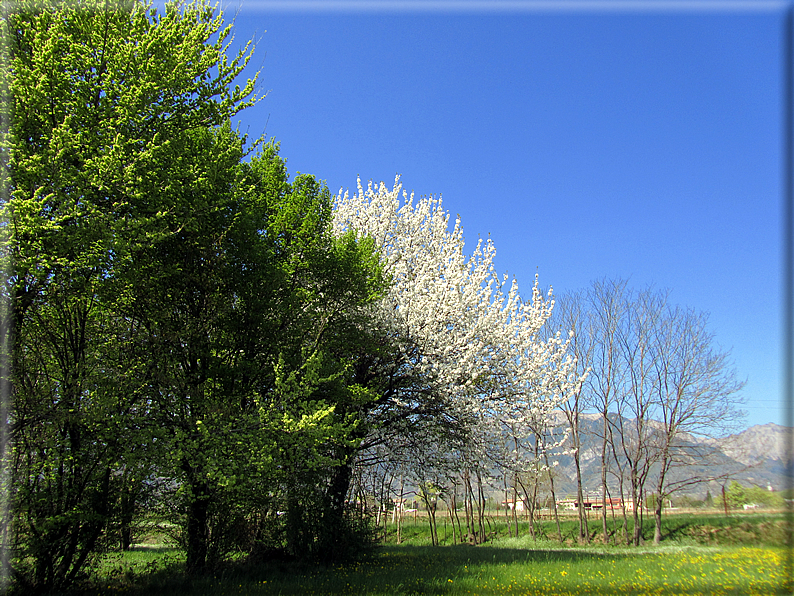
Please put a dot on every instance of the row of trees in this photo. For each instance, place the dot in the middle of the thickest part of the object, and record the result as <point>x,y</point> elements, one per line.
<point>739,496</point>
<point>198,339</point>
<point>660,387</point>
<point>470,378</point>
<point>650,393</point>
<point>180,310</point>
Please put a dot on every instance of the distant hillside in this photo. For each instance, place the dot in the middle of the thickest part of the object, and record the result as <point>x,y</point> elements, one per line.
<point>763,448</point>
<point>754,456</point>
<point>757,444</point>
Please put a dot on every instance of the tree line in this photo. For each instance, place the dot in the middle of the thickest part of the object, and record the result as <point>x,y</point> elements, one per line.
<point>645,372</point>
<point>660,387</point>
<point>195,338</point>
<point>653,392</point>
<point>181,312</point>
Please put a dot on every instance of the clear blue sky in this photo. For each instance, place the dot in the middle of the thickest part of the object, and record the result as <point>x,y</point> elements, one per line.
<point>588,142</point>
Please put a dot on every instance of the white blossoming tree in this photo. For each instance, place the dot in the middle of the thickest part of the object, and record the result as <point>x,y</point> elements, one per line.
<point>455,347</point>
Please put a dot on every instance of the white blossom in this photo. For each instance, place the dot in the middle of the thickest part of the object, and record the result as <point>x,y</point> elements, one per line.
<point>476,338</point>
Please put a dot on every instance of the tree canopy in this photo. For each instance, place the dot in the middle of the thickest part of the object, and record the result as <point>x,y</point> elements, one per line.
<point>201,339</point>
<point>176,301</point>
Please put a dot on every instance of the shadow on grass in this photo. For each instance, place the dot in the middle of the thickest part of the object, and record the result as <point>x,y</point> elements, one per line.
<point>387,570</point>
<point>412,569</point>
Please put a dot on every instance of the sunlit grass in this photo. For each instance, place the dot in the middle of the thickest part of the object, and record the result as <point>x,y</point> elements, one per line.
<point>506,567</point>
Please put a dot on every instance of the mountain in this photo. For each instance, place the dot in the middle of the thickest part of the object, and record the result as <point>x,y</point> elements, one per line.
<point>763,449</point>
<point>757,444</point>
<point>755,456</point>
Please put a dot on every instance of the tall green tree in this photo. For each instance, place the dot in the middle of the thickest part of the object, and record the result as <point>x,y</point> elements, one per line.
<point>243,294</point>
<point>96,97</point>
<point>179,306</point>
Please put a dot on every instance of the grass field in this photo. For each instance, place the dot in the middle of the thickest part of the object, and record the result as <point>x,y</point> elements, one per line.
<point>521,565</point>
<point>710,527</point>
<point>505,567</point>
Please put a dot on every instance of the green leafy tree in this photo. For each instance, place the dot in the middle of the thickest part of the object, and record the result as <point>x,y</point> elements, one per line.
<point>243,297</point>
<point>96,98</point>
<point>739,495</point>
<point>180,308</point>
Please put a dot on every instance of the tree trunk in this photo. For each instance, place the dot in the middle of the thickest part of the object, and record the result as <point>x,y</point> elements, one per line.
<point>294,524</point>
<point>507,515</point>
<point>584,533</point>
<point>431,514</point>
<point>533,514</point>
<point>637,540</point>
<point>636,496</point>
<point>450,506</point>
<point>197,528</point>
<point>657,514</point>
<point>334,519</point>
<point>401,507</point>
<point>515,506</point>
<point>456,517</point>
<point>554,499</point>
<point>127,512</point>
<point>623,509</point>
<point>481,507</point>
<point>338,487</point>
<point>657,532</point>
<point>604,479</point>
<point>529,504</point>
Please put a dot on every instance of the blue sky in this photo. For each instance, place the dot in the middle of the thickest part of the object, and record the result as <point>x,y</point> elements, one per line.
<point>588,142</point>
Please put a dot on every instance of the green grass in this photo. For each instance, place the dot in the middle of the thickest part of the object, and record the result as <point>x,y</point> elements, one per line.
<point>511,566</point>
<point>701,554</point>
<point>706,528</point>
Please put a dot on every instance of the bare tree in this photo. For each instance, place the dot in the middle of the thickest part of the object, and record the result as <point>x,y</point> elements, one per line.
<point>608,305</point>
<point>550,472</point>
<point>634,403</point>
<point>695,395</point>
<point>659,387</point>
<point>571,314</point>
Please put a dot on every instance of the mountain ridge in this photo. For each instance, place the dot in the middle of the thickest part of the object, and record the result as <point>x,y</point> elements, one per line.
<point>753,456</point>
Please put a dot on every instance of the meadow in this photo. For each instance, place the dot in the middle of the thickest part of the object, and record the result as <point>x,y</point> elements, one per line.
<point>680,566</point>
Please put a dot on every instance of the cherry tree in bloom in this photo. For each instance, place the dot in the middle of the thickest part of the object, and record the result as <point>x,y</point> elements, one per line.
<point>458,326</point>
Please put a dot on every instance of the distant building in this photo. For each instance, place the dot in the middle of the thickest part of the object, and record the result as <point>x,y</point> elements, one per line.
<point>517,505</point>
<point>567,504</point>
<point>595,504</point>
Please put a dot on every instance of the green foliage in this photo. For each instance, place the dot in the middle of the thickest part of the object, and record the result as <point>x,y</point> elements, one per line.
<point>739,495</point>
<point>179,307</point>
<point>99,101</point>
